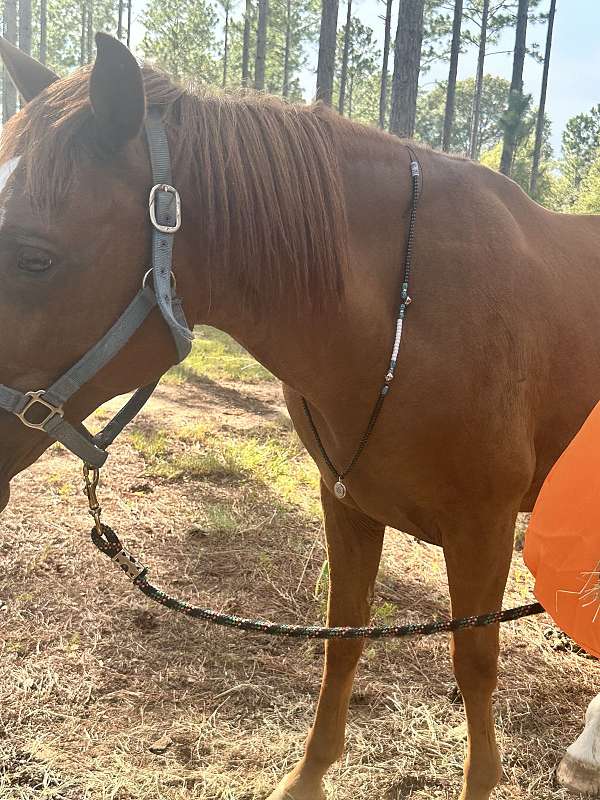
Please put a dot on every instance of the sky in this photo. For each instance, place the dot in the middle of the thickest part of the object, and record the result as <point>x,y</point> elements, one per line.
<point>574,82</point>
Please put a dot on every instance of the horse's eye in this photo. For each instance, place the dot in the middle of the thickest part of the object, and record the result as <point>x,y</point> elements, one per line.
<point>33,260</point>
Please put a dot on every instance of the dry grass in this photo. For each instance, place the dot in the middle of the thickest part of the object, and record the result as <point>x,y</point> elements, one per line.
<point>103,696</point>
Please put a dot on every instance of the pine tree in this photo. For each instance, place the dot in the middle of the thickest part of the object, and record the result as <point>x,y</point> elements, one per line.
<point>180,37</point>
<point>226,5</point>
<point>474,143</point>
<point>407,64</point>
<point>25,26</point>
<point>327,47</point>
<point>345,53</point>
<point>261,44</point>
<point>539,130</point>
<point>246,46</point>
<point>362,71</point>
<point>383,92</point>
<point>451,88</point>
<point>43,54</point>
<point>515,99</point>
<point>9,94</point>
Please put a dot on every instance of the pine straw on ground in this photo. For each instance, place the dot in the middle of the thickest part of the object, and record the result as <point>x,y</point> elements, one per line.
<point>103,695</point>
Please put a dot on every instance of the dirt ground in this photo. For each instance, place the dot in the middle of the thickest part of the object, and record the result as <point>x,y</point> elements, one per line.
<point>104,695</point>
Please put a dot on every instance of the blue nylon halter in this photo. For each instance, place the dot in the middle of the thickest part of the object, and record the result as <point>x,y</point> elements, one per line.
<point>43,409</point>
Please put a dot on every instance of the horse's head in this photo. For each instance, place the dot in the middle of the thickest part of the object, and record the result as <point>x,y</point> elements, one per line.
<point>74,237</point>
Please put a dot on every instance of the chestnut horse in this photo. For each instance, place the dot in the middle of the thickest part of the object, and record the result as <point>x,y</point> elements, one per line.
<point>294,228</point>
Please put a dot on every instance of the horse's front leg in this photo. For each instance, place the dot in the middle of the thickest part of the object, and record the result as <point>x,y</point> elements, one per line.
<point>354,545</point>
<point>478,551</point>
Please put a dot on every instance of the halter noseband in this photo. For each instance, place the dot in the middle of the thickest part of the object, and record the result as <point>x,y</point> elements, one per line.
<point>43,409</point>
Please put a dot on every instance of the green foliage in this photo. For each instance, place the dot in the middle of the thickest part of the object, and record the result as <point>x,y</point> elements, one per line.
<point>64,30</point>
<point>216,356</point>
<point>581,142</point>
<point>437,27</point>
<point>431,107</point>
<point>521,170</point>
<point>362,87</point>
<point>588,198</point>
<point>180,38</point>
<point>303,29</point>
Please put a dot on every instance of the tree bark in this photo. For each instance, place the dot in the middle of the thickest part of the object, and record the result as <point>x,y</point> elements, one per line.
<point>25,26</point>
<point>9,95</point>
<point>285,89</point>
<point>83,40</point>
<point>120,21</point>
<point>407,65</point>
<point>516,91</point>
<point>539,129</point>
<point>246,45</point>
<point>474,144</point>
<point>345,53</point>
<point>327,46</point>
<point>226,45</point>
<point>129,23</point>
<point>383,94</point>
<point>451,89</point>
<point>43,31</point>
<point>90,32</point>
<point>261,44</point>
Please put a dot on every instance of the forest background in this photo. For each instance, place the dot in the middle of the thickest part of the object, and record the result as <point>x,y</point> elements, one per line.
<point>466,76</point>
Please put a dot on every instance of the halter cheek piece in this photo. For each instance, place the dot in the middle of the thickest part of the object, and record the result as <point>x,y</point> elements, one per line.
<point>43,409</point>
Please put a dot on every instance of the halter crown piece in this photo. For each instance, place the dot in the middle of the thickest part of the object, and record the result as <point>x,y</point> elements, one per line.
<point>42,409</point>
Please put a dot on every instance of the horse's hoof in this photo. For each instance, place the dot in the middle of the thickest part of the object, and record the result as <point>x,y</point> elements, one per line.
<point>578,776</point>
<point>295,790</point>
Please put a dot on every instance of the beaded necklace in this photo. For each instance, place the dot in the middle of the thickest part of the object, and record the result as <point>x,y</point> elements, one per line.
<point>339,488</point>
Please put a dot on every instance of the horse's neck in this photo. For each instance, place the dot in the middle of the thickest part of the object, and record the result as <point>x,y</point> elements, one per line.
<point>345,345</point>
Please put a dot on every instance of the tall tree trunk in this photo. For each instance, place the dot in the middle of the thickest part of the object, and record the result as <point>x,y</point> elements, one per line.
<point>327,46</point>
<point>383,94</point>
<point>261,44</point>
<point>90,32</point>
<point>128,23</point>
<point>246,45</point>
<point>451,89</point>
<point>9,95</point>
<point>83,39</point>
<point>345,52</point>
<point>43,31</point>
<point>474,144</point>
<point>350,95</point>
<point>407,65</point>
<point>285,89</point>
<point>226,45</point>
<point>515,97</point>
<point>120,21</point>
<point>25,26</point>
<point>539,129</point>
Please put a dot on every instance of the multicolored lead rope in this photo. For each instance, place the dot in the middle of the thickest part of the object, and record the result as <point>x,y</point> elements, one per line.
<point>109,543</point>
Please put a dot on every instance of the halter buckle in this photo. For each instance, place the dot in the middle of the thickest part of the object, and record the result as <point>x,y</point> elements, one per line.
<point>36,398</point>
<point>165,187</point>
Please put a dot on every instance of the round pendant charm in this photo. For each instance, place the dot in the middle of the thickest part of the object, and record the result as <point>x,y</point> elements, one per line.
<point>339,490</point>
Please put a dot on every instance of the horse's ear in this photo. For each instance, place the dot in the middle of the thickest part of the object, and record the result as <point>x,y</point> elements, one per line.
<point>28,75</point>
<point>116,94</point>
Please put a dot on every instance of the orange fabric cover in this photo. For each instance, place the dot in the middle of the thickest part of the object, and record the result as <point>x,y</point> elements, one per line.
<point>562,545</point>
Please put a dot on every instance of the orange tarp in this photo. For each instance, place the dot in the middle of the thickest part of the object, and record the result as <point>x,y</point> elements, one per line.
<point>562,545</point>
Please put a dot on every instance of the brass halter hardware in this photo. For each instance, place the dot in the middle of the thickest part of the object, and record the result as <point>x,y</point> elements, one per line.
<point>91,476</point>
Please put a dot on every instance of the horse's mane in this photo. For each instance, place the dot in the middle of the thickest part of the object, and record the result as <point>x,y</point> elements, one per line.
<point>265,172</point>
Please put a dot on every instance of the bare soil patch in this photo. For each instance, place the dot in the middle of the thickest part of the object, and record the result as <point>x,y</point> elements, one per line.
<point>103,695</point>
